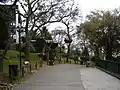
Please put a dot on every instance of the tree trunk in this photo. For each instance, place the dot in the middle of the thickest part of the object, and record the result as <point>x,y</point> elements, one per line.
<point>68,53</point>
<point>109,43</point>
<point>108,52</point>
<point>27,51</point>
<point>1,64</point>
<point>60,54</point>
<point>47,57</point>
<point>97,52</point>
<point>27,46</point>
<point>47,51</point>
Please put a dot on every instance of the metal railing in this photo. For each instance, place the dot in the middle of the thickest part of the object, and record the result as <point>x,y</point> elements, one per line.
<point>111,66</point>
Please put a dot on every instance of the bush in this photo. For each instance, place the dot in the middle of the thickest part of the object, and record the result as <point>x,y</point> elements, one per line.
<point>94,58</point>
<point>84,58</point>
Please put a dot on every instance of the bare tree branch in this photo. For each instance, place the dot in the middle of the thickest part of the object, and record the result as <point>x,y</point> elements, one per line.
<point>21,14</point>
<point>23,7</point>
<point>14,3</point>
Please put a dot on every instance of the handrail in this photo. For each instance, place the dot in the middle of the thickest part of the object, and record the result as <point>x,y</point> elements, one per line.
<point>111,66</point>
<point>110,61</point>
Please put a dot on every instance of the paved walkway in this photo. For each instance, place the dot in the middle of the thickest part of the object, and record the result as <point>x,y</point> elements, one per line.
<point>95,79</point>
<point>58,77</point>
<point>70,77</point>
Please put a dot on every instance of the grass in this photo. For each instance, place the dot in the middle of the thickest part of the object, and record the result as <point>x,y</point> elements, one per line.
<point>33,59</point>
<point>10,61</point>
<point>15,60</point>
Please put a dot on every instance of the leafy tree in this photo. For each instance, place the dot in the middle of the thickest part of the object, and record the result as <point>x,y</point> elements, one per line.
<point>39,45</point>
<point>7,19</point>
<point>59,34</point>
<point>102,32</point>
<point>3,34</point>
<point>59,51</point>
<point>44,34</point>
<point>85,52</point>
<point>41,38</point>
<point>75,53</point>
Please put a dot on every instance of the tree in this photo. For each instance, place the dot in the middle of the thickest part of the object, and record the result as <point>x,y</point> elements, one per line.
<point>45,44</point>
<point>7,30</point>
<point>102,32</point>
<point>59,51</point>
<point>41,38</point>
<point>75,52</point>
<point>59,33</point>
<point>68,22</point>
<point>38,13</point>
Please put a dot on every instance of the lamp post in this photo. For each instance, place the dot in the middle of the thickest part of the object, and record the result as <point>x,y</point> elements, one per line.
<point>47,51</point>
<point>19,33</point>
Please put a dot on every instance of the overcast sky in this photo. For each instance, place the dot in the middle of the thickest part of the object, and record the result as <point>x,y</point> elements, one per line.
<point>89,5</point>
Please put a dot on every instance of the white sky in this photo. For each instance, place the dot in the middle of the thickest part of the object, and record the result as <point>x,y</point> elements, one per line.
<point>89,5</point>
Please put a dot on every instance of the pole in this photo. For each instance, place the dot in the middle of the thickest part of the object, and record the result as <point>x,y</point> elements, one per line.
<point>61,37</point>
<point>1,63</point>
<point>20,51</point>
<point>60,54</point>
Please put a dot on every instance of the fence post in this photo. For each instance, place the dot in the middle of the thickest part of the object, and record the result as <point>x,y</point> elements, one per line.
<point>41,63</point>
<point>36,65</point>
<point>117,68</point>
<point>23,71</point>
<point>70,61</point>
<point>30,68</point>
<point>64,61</point>
<point>106,64</point>
<point>10,74</point>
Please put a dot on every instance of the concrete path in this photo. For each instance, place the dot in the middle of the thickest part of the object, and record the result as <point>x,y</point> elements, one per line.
<point>58,77</point>
<point>95,79</point>
<point>70,77</point>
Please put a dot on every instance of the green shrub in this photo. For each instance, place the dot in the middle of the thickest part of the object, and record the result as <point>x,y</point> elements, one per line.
<point>84,58</point>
